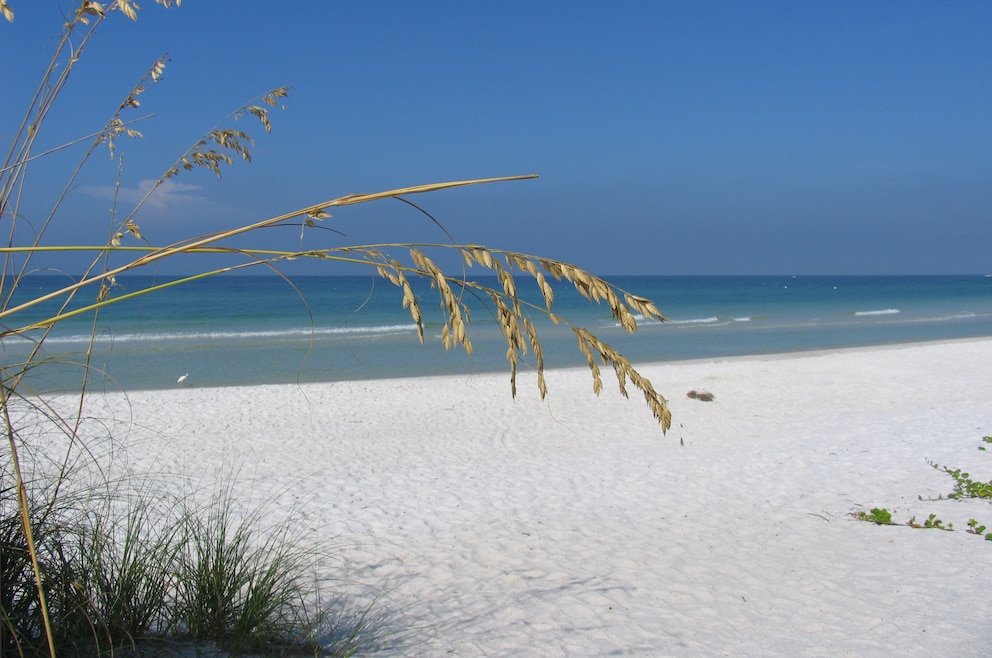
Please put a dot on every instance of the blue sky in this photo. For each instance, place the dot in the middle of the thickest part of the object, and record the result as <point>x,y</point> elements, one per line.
<point>671,138</point>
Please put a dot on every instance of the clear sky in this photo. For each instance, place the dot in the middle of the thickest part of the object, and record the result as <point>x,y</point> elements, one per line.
<point>670,137</point>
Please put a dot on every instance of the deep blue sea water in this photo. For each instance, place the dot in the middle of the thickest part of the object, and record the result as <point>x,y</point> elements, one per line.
<point>233,330</point>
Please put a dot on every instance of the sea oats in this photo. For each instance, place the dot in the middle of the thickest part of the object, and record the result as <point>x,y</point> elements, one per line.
<point>506,279</point>
<point>546,290</point>
<point>552,268</point>
<point>643,306</point>
<point>483,257</point>
<point>519,331</point>
<point>535,346</point>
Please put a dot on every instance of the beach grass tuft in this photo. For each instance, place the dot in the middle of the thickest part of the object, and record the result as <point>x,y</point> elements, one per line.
<point>240,586</point>
<point>127,570</point>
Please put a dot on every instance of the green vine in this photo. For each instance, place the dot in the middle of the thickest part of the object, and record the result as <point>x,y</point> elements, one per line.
<point>964,487</point>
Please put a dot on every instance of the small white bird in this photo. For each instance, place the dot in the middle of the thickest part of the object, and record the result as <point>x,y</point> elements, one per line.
<point>182,379</point>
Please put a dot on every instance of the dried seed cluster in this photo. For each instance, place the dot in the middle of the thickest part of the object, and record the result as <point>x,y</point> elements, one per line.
<point>517,328</point>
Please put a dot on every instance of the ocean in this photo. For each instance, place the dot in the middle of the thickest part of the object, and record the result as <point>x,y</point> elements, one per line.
<point>236,330</point>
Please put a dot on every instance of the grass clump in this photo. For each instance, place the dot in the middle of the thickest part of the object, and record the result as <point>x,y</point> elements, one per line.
<point>129,572</point>
<point>239,587</point>
<point>22,626</point>
<point>123,565</point>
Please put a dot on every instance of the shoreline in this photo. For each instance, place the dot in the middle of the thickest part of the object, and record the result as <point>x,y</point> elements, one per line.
<point>483,525</point>
<point>205,328</point>
<point>482,372</point>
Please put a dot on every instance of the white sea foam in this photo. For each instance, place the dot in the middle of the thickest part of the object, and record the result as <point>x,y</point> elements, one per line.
<point>964,315</point>
<point>231,335</point>
<point>709,320</point>
<point>886,311</point>
<point>712,321</point>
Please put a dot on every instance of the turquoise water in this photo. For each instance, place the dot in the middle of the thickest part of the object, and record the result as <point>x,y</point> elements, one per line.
<point>234,330</point>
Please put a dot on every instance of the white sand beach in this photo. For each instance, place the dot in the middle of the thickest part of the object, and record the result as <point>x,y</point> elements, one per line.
<point>572,527</point>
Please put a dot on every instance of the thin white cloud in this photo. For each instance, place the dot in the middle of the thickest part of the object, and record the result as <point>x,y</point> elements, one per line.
<point>170,195</point>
